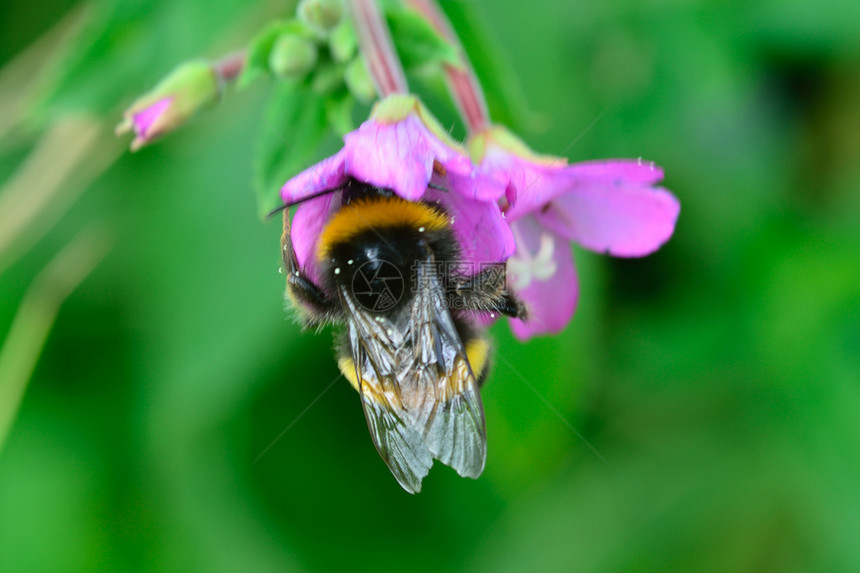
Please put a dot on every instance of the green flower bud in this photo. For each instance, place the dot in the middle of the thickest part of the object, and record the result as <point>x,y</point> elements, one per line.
<point>357,78</point>
<point>292,56</point>
<point>171,103</point>
<point>343,43</point>
<point>321,16</point>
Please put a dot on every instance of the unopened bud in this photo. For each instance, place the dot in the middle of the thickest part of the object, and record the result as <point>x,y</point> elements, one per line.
<point>343,42</point>
<point>292,56</point>
<point>171,103</point>
<point>320,15</point>
<point>357,78</point>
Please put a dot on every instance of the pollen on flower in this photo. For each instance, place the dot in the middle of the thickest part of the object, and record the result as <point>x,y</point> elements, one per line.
<point>524,267</point>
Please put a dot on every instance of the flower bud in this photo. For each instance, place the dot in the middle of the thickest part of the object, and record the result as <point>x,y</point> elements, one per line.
<point>357,78</point>
<point>321,16</point>
<point>292,56</point>
<point>343,43</point>
<point>190,87</point>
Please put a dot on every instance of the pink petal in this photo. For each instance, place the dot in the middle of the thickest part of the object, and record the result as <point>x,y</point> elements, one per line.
<point>622,219</point>
<point>537,184</point>
<point>550,302</point>
<point>475,185</point>
<point>307,226</point>
<point>626,170</point>
<point>481,230</point>
<point>530,185</point>
<point>144,119</point>
<point>327,174</point>
<point>401,156</point>
<point>392,156</point>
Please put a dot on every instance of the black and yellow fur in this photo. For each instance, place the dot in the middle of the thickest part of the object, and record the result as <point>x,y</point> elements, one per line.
<point>373,225</point>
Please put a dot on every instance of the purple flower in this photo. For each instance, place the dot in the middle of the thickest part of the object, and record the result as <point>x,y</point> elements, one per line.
<point>402,148</point>
<point>144,120</point>
<point>610,207</point>
<point>171,103</point>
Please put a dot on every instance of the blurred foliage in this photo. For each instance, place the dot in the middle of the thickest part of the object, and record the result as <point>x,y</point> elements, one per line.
<point>720,378</point>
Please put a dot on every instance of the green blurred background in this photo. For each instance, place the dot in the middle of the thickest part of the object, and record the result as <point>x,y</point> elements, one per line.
<point>719,378</point>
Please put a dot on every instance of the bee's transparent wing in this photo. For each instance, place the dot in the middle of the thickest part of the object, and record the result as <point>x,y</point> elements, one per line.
<point>453,424</point>
<point>396,439</point>
<point>417,388</point>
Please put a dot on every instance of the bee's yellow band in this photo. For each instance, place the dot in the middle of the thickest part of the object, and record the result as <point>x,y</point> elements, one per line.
<point>377,213</point>
<point>477,351</point>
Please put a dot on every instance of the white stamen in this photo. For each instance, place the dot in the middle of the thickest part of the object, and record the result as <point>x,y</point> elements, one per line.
<point>524,267</point>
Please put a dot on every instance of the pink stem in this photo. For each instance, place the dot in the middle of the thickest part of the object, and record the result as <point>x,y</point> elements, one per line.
<point>462,81</point>
<point>230,66</point>
<point>374,38</point>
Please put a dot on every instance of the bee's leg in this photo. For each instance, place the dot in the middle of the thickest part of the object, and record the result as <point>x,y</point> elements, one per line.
<point>314,306</point>
<point>487,291</point>
<point>510,305</point>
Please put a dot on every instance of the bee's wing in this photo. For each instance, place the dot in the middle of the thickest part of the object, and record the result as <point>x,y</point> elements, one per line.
<point>417,388</point>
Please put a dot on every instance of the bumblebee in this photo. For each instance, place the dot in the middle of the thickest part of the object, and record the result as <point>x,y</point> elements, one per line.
<point>390,276</point>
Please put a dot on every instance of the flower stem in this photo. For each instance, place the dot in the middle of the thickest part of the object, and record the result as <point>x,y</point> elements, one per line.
<point>230,66</point>
<point>374,38</point>
<point>463,84</point>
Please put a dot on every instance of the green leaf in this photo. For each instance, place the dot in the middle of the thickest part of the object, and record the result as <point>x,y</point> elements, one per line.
<point>261,46</point>
<point>295,125</point>
<point>417,43</point>
<point>339,108</point>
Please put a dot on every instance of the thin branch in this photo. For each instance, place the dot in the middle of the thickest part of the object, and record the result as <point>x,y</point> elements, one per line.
<point>462,82</point>
<point>374,39</point>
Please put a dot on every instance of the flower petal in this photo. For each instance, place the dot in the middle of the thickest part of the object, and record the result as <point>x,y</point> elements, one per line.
<point>328,174</point>
<point>482,231</point>
<point>307,226</point>
<point>475,185</point>
<point>627,170</point>
<point>144,119</point>
<point>551,300</point>
<point>621,219</point>
<point>391,156</point>
<point>530,185</point>
<point>536,184</point>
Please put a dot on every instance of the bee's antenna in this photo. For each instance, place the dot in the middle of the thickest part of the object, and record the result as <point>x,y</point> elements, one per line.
<point>277,210</point>
<point>437,187</point>
<point>285,206</point>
